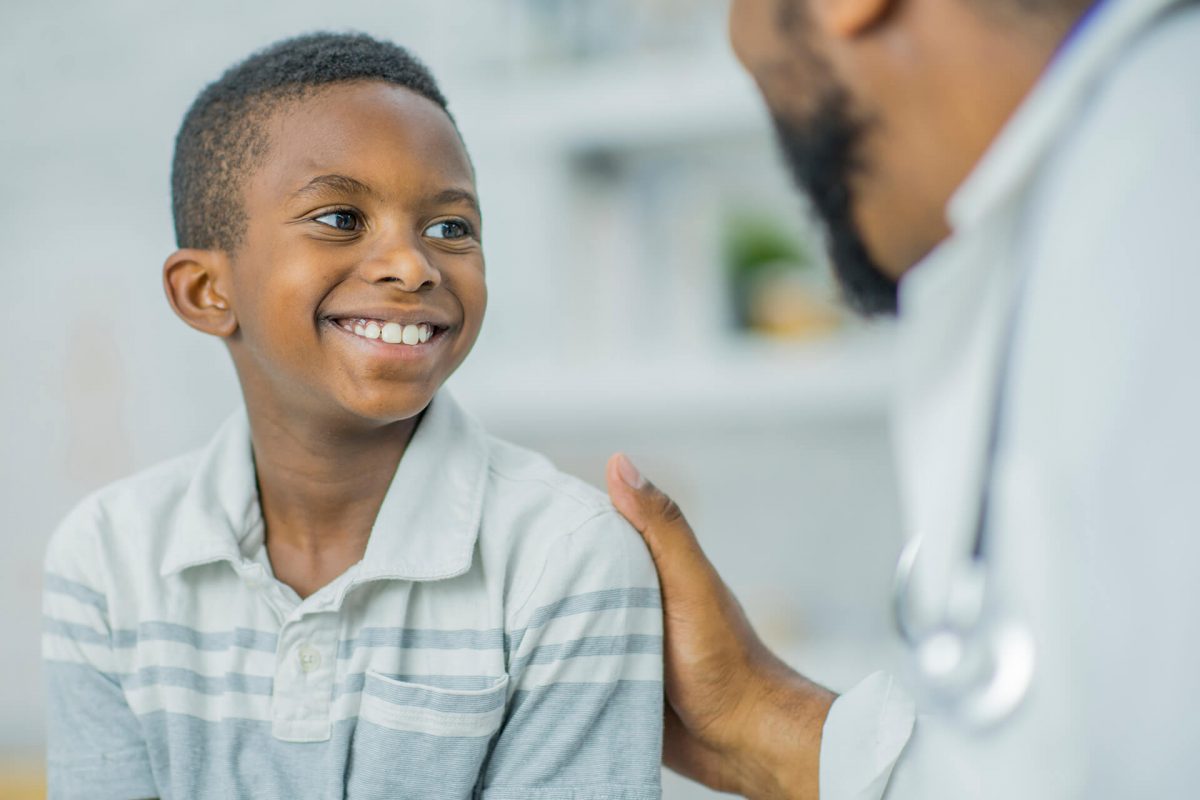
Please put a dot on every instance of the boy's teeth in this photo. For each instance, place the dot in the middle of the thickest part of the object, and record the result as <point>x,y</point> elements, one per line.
<point>390,332</point>
<point>393,333</point>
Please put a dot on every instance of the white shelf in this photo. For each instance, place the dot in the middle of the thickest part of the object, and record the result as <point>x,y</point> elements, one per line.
<point>750,382</point>
<point>640,100</point>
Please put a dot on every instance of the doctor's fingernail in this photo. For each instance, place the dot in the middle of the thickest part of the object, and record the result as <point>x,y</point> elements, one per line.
<point>629,473</point>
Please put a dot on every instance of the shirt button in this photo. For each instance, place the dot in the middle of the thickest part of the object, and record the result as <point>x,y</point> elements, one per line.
<point>309,658</point>
<point>254,576</point>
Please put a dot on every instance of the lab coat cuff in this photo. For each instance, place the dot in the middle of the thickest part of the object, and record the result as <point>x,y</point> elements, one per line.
<point>863,736</point>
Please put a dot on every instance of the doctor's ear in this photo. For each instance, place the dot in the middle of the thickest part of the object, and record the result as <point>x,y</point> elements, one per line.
<point>196,283</point>
<point>849,18</point>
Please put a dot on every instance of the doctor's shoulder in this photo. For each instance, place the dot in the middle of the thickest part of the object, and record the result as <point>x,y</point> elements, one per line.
<point>1131,143</point>
<point>1104,388</point>
<point>1112,211</point>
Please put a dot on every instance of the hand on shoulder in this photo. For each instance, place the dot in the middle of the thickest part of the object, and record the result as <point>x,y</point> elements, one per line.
<point>738,718</point>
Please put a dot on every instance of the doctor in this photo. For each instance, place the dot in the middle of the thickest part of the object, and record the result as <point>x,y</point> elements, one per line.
<point>1021,180</point>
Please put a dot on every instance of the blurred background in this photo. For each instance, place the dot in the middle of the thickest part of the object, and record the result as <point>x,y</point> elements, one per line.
<point>656,287</point>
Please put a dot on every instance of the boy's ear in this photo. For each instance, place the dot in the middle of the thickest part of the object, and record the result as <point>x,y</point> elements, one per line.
<point>197,287</point>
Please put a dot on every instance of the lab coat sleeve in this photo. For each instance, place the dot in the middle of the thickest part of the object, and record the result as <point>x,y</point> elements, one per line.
<point>864,735</point>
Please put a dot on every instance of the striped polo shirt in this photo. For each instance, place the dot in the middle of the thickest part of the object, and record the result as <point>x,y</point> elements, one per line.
<point>500,638</point>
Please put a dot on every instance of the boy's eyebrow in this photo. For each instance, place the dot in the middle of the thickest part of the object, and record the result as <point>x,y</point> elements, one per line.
<point>343,184</point>
<point>447,196</point>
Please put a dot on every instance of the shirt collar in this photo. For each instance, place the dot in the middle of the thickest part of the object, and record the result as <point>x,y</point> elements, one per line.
<point>426,527</point>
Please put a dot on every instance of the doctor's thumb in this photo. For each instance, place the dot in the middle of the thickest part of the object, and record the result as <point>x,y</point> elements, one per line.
<point>656,517</point>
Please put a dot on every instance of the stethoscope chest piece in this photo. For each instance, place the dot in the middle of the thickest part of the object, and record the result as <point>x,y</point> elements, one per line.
<point>1013,660</point>
<point>970,664</point>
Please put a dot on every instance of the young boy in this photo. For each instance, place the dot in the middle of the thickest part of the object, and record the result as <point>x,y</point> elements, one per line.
<point>352,591</point>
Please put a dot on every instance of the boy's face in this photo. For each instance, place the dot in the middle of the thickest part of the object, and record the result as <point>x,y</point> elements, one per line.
<point>359,286</point>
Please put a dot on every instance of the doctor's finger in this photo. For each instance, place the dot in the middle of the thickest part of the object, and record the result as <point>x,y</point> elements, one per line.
<point>671,540</point>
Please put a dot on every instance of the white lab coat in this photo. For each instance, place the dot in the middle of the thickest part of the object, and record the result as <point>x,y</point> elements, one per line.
<point>1092,191</point>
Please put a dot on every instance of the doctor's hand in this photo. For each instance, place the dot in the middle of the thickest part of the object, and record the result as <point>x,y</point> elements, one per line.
<point>737,718</point>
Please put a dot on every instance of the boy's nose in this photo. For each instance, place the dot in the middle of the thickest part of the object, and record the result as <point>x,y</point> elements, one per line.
<point>404,265</point>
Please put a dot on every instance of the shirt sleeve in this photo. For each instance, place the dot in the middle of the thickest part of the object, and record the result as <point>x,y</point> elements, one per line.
<point>864,734</point>
<point>585,665</point>
<point>95,748</point>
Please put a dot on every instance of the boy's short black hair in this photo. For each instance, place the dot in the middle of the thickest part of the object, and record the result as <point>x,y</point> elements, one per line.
<point>223,134</point>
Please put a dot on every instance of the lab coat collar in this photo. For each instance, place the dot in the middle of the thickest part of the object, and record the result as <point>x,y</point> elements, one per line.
<point>1013,158</point>
<point>1024,143</point>
<point>426,527</point>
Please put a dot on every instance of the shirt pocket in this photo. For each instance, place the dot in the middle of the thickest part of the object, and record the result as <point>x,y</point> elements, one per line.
<point>417,741</point>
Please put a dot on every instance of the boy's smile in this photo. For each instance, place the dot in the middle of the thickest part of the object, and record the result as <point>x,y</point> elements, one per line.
<point>359,287</point>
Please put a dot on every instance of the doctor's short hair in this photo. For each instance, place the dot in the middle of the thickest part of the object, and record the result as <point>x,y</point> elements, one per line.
<point>224,135</point>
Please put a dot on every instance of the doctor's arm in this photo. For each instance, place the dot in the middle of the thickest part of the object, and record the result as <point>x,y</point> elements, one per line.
<point>738,718</point>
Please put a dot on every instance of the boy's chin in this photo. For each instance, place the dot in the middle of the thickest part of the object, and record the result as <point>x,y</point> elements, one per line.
<point>387,407</point>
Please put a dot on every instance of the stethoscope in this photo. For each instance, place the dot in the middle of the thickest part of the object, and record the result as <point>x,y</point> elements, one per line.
<point>973,662</point>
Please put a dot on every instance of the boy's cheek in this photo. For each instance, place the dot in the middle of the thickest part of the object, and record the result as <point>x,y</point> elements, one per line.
<point>472,292</point>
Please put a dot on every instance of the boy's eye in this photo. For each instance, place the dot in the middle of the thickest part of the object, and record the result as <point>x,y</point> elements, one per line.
<point>448,229</point>
<point>342,220</point>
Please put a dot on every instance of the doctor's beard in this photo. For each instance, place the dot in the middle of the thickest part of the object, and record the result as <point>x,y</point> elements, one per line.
<point>823,152</point>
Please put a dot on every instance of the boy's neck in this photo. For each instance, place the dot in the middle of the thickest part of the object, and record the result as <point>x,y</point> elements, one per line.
<point>320,489</point>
